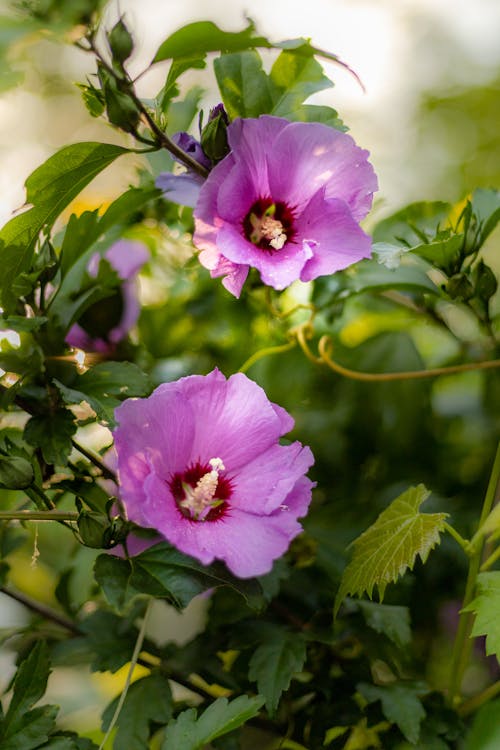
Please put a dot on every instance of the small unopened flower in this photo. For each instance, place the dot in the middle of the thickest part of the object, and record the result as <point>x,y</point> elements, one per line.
<point>287,200</point>
<point>200,462</point>
<point>107,322</point>
<point>184,187</point>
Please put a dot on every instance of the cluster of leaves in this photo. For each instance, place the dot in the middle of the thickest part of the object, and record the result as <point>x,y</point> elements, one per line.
<point>272,656</point>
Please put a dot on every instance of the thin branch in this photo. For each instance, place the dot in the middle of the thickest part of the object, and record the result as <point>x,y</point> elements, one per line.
<point>41,609</point>
<point>38,515</point>
<point>107,473</point>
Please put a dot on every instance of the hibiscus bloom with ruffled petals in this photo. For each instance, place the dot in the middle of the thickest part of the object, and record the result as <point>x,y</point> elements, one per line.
<point>287,200</point>
<point>200,462</point>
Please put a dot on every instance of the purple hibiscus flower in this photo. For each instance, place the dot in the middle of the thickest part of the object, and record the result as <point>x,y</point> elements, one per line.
<point>200,462</point>
<point>105,323</point>
<point>287,200</point>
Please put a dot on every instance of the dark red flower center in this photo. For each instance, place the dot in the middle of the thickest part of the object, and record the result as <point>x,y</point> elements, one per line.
<point>200,492</point>
<point>269,224</point>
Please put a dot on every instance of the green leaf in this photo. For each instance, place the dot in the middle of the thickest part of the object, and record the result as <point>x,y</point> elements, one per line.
<point>401,705</point>
<point>50,188</point>
<point>31,730</point>
<point>412,224</point>
<point>93,99</point>
<point>411,275</point>
<point>187,732</point>
<point>204,37</point>
<point>316,113</point>
<point>486,209</point>
<point>148,701</point>
<point>109,638</point>
<point>105,386</point>
<point>296,76</point>
<point>164,572</point>
<point>21,324</point>
<point>245,88</point>
<point>485,730</point>
<point>390,620</point>
<point>29,684</point>
<point>391,545</point>
<point>52,433</point>
<point>443,254</point>
<point>274,663</point>
<point>486,607</point>
<point>81,232</point>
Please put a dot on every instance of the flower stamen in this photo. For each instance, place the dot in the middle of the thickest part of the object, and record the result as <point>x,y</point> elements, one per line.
<point>200,499</point>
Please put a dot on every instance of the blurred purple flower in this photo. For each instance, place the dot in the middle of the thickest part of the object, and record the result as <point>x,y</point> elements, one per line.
<point>200,462</point>
<point>287,201</point>
<point>184,188</point>
<point>105,323</point>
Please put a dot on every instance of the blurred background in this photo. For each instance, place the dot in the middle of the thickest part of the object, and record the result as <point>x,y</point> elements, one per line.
<point>429,116</point>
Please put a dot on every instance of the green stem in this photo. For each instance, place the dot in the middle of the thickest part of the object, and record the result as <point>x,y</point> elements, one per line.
<point>490,560</point>
<point>265,353</point>
<point>38,515</point>
<point>35,494</point>
<point>107,473</point>
<point>133,664</point>
<point>464,543</point>
<point>463,642</point>
<point>468,707</point>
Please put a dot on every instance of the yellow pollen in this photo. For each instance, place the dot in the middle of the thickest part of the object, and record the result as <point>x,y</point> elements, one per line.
<point>269,229</point>
<point>201,498</point>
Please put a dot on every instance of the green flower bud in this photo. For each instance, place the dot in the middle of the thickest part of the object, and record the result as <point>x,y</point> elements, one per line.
<point>120,42</point>
<point>16,473</point>
<point>94,529</point>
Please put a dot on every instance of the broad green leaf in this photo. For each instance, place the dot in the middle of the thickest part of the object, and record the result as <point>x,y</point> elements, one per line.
<point>485,730</point>
<point>441,253</point>
<point>204,37</point>
<point>486,607</point>
<point>390,620</point>
<point>50,188</point>
<point>81,232</point>
<point>148,701</point>
<point>187,732</point>
<point>84,230</point>
<point>391,545</point>
<point>317,113</point>
<point>245,87</point>
<point>164,572</point>
<point>486,209</point>
<point>401,705</point>
<point>412,274</point>
<point>52,433</point>
<point>274,663</point>
<point>21,324</point>
<point>61,743</point>
<point>29,684</point>
<point>31,730</point>
<point>109,639</point>
<point>412,224</point>
<point>105,385</point>
<point>113,574</point>
<point>295,77</point>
